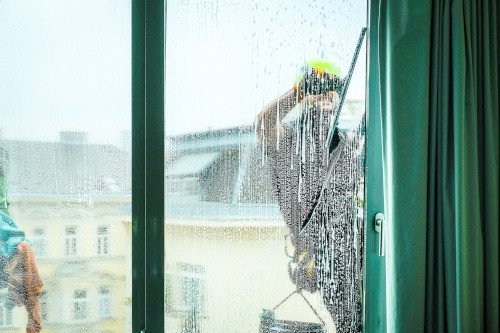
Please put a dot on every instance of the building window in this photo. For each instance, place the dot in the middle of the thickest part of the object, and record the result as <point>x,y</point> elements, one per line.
<point>70,241</point>
<point>39,242</point>
<point>80,304</point>
<point>105,303</point>
<point>169,293</point>
<point>192,287</point>
<point>44,306</point>
<point>185,289</point>
<point>5,312</point>
<point>102,241</point>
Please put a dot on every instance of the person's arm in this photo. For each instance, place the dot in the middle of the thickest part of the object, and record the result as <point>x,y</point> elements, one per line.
<point>25,285</point>
<point>268,123</point>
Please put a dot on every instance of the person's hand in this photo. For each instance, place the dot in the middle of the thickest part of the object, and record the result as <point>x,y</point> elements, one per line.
<point>316,83</point>
<point>326,101</point>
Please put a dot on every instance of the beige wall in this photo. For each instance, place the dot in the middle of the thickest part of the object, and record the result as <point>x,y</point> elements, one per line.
<point>245,271</point>
<point>245,268</point>
<point>86,270</point>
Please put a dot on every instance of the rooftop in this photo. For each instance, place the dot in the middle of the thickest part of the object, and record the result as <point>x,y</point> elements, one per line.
<point>215,175</point>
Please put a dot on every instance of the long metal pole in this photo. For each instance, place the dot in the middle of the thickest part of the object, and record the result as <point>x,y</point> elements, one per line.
<point>345,87</point>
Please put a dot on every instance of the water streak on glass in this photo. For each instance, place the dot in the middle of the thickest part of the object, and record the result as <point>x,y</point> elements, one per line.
<point>246,160</point>
<point>65,162</point>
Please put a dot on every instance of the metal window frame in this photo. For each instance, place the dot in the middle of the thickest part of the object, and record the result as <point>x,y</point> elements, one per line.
<point>374,307</point>
<point>148,56</point>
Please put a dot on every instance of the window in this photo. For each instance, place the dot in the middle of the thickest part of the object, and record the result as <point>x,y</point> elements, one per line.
<point>70,242</point>
<point>5,311</point>
<point>44,306</point>
<point>65,163</point>
<point>234,186</point>
<point>102,241</point>
<point>169,289</point>
<point>80,304</point>
<point>105,303</point>
<point>39,241</point>
<point>185,289</point>
<point>192,287</point>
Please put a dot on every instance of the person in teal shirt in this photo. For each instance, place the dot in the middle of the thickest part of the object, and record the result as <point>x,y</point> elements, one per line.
<point>18,268</point>
<point>10,235</point>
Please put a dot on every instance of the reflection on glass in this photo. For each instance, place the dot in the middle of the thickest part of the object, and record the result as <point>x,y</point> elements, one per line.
<point>250,161</point>
<point>65,180</point>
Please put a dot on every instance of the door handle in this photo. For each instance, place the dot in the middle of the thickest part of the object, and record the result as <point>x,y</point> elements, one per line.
<point>379,228</point>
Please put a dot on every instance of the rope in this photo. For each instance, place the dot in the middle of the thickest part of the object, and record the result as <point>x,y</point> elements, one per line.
<point>299,291</point>
<point>286,299</point>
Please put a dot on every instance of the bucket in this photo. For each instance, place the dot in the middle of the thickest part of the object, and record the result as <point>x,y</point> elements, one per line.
<point>269,323</point>
<point>291,326</point>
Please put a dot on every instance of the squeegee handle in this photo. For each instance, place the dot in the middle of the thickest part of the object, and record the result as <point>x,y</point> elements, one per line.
<point>333,125</point>
<point>345,86</point>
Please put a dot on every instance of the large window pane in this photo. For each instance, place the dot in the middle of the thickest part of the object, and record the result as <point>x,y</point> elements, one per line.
<point>238,191</point>
<point>65,104</point>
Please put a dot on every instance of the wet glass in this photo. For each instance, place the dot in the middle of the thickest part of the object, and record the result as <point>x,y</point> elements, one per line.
<point>259,201</point>
<point>65,180</point>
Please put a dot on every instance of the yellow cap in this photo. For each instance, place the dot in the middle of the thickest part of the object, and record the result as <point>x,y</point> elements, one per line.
<point>320,66</point>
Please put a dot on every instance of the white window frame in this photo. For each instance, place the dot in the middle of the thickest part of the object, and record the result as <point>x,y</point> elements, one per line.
<point>170,304</point>
<point>71,241</point>
<point>6,315</point>
<point>39,241</point>
<point>79,303</point>
<point>44,310</point>
<point>105,303</point>
<point>192,277</point>
<point>103,240</point>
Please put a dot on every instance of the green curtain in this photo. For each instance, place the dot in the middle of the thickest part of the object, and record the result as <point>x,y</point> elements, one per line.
<point>438,87</point>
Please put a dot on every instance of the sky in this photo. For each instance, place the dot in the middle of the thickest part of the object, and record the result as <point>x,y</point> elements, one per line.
<point>65,64</point>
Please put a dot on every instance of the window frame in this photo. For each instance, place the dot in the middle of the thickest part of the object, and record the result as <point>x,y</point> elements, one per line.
<point>102,244</point>
<point>39,241</point>
<point>105,296</point>
<point>148,165</point>
<point>4,311</point>
<point>374,285</point>
<point>187,278</point>
<point>192,290</point>
<point>44,306</point>
<point>70,241</point>
<point>79,301</point>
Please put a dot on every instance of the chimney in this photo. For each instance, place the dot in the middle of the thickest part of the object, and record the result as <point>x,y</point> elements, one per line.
<point>72,138</point>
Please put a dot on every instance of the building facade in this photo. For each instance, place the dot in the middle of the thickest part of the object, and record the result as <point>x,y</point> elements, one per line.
<point>71,199</point>
<point>226,248</point>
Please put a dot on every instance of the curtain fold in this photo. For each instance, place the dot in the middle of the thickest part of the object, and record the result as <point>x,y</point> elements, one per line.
<point>439,86</point>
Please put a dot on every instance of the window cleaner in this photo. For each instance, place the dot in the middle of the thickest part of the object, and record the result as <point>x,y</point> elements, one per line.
<point>18,267</point>
<point>318,175</point>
